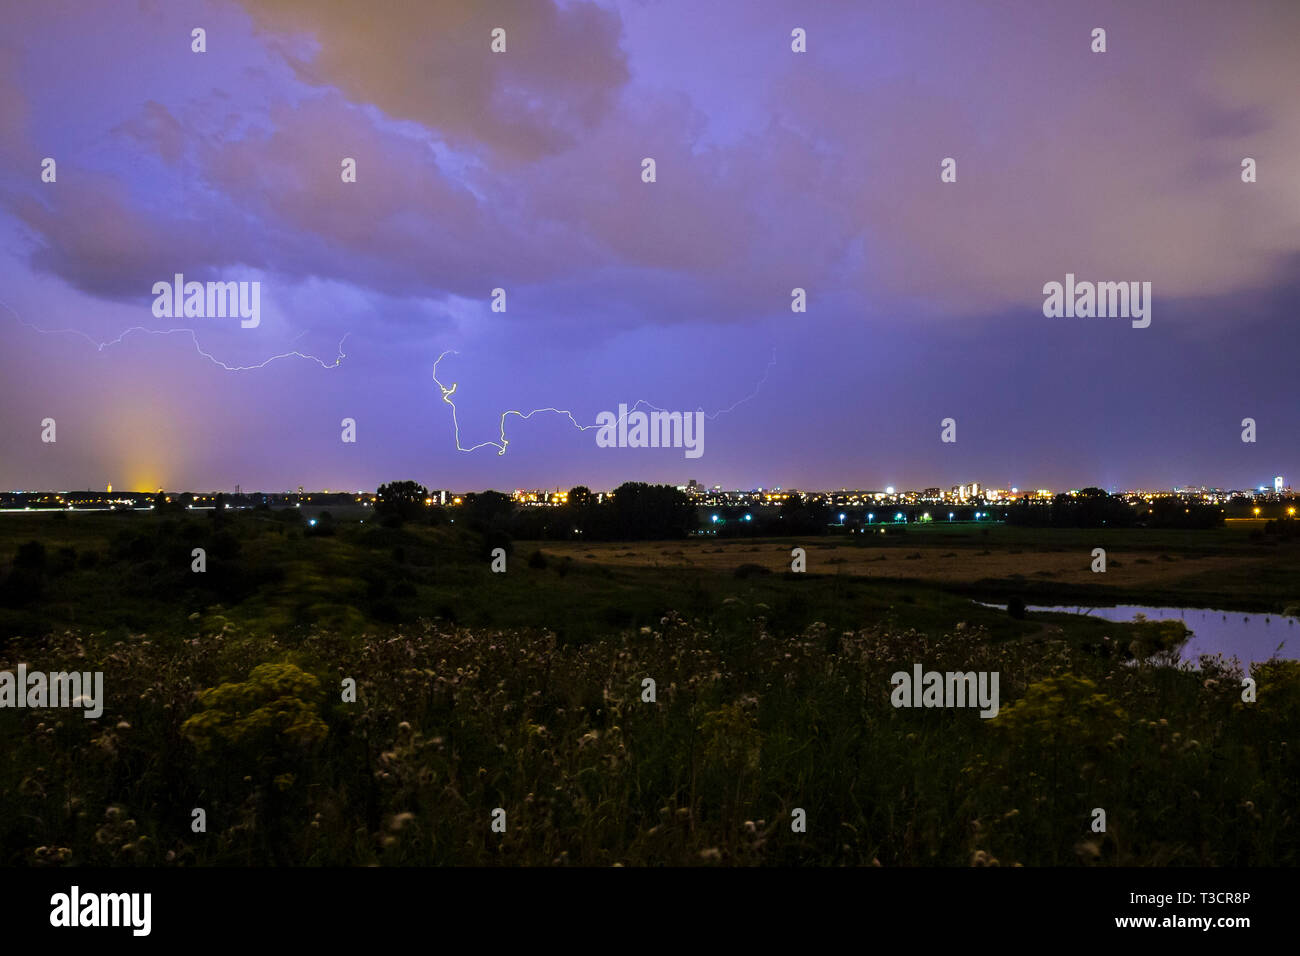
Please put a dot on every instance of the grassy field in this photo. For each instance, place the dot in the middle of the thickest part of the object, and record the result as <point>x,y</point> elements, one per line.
<point>1232,568</point>
<point>525,691</point>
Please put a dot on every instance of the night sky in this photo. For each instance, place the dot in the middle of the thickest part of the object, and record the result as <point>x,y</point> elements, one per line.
<point>523,171</point>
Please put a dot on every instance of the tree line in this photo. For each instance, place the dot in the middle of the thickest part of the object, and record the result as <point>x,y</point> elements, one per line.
<point>1094,508</point>
<point>635,511</point>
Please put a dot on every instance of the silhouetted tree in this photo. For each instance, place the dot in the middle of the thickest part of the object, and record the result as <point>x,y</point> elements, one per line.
<point>401,500</point>
<point>801,515</point>
<point>488,509</point>
<point>1176,513</point>
<point>639,510</point>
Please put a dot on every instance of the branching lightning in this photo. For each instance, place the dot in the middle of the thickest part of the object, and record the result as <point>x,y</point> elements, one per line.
<point>500,446</point>
<point>194,338</point>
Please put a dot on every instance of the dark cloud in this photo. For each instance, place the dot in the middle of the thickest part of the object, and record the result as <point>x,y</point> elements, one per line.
<point>429,61</point>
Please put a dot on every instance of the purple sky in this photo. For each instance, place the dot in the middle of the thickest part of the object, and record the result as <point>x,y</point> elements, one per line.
<point>775,169</point>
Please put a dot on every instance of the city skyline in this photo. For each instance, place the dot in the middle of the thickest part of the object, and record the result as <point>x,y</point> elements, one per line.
<point>965,491</point>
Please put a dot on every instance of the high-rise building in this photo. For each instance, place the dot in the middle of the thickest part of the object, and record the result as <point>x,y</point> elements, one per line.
<point>1278,485</point>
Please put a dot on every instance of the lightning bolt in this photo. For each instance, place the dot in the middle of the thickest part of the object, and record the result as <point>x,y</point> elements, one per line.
<point>194,338</point>
<point>500,446</point>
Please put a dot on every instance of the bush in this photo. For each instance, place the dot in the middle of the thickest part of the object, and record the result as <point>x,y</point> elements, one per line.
<point>400,501</point>
<point>270,714</point>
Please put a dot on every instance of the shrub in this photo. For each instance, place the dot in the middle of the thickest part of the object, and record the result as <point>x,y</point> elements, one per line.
<point>274,711</point>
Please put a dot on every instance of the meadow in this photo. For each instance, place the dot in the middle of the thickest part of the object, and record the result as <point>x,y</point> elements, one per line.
<point>526,691</point>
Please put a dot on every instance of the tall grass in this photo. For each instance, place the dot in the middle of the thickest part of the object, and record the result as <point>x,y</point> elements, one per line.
<point>452,723</point>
